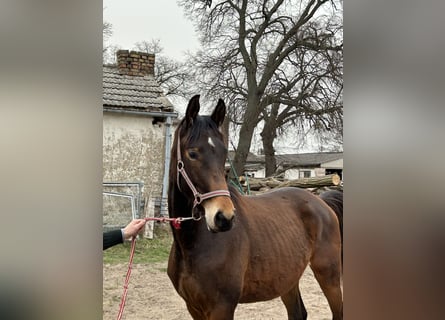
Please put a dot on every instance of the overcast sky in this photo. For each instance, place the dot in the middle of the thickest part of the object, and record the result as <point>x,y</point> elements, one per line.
<point>138,20</point>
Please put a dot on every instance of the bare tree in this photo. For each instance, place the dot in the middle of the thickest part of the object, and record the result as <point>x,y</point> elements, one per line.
<point>308,94</point>
<point>107,32</point>
<point>173,76</point>
<point>248,56</point>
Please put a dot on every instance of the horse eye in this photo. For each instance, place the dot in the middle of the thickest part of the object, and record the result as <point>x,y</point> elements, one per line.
<point>193,154</point>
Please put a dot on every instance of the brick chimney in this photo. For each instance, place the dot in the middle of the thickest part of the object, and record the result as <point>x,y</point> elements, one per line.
<point>135,63</point>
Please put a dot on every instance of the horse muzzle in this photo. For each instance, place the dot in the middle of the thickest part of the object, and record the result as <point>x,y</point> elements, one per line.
<point>222,223</point>
<point>219,214</point>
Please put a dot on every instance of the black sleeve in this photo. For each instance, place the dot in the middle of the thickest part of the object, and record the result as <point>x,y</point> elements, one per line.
<point>112,238</point>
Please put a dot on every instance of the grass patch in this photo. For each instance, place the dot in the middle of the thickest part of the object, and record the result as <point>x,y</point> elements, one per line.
<point>147,250</point>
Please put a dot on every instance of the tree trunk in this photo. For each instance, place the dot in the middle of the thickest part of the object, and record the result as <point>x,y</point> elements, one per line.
<point>243,148</point>
<point>269,151</point>
<point>246,133</point>
<point>225,129</point>
<point>268,135</point>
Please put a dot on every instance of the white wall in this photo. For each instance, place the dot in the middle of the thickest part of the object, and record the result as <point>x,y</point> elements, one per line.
<point>133,150</point>
<point>261,173</point>
<point>336,164</point>
<point>293,174</point>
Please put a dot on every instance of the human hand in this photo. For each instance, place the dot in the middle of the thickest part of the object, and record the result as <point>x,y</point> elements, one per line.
<point>133,228</point>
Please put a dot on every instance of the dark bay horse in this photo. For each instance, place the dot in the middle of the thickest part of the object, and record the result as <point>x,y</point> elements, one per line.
<point>241,249</point>
<point>334,199</point>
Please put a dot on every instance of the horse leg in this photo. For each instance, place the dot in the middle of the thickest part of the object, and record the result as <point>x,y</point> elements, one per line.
<point>294,304</point>
<point>326,265</point>
<point>195,313</point>
<point>220,312</point>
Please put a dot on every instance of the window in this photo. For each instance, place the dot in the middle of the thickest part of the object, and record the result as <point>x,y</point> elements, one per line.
<point>305,173</point>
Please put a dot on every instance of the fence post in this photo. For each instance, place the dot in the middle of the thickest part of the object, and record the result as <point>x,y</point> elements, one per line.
<point>149,212</point>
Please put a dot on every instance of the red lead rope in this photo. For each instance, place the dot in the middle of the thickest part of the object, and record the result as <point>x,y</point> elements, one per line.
<point>127,280</point>
<point>176,222</point>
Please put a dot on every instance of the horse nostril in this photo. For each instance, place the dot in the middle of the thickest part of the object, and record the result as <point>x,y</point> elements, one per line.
<point>222,222</point>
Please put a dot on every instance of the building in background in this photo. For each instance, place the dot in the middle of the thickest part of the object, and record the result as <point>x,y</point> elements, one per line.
<point>295,166</point>
<point>137,133</point>
<point>308,165</point>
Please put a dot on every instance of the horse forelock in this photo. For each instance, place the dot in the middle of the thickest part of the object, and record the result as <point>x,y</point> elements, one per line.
<point>200,126</point>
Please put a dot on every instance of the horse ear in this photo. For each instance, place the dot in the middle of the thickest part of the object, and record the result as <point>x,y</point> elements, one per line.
<point>192,110</point>
<point>219,113</point>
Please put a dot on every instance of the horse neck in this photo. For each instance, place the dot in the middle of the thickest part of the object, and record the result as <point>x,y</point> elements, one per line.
<point>180,206</point>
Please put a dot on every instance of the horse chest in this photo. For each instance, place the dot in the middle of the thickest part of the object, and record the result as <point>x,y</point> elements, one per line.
<point>189,287</point>
<point>194,287</point>
<point>194,277</point>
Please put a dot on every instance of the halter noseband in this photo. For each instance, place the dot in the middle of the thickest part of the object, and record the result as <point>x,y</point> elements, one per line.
<point>198,196</point>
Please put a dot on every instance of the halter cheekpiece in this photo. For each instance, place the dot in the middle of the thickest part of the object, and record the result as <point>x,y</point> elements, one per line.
<point>199,197</point>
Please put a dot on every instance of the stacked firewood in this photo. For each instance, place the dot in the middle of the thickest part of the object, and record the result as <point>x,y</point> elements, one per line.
<point>314,183</point>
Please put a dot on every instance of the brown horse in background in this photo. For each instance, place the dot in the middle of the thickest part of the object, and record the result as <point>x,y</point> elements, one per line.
<point>334,199</point>
<point>269,239</point>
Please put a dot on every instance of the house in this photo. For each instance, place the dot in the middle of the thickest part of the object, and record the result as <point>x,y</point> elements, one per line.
<point>254,166</point>
<point>307,165</point>
<point>137,132</point>
<point>295,166</point>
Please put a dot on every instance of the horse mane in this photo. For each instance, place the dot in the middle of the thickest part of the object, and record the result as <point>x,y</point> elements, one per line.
<point>234,192</point>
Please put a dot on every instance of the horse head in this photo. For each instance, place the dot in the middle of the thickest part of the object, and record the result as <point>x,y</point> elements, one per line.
<point>200,155</point>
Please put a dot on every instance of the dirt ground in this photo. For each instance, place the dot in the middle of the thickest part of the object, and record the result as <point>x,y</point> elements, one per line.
<point>152,296</point>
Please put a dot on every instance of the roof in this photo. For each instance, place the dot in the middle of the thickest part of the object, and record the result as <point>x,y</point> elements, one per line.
<point>132,92</point>
<point>250,157</point>
<point>308,159</point>
<point>301,159</point>
<point>288,161</point>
